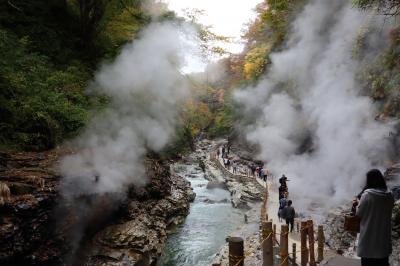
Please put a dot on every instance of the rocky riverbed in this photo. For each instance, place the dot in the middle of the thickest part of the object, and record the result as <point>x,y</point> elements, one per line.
<point>38,228</point>
<point>222,202</point>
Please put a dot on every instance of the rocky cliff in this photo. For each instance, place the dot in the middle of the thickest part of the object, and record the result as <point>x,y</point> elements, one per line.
<point>37,227</point>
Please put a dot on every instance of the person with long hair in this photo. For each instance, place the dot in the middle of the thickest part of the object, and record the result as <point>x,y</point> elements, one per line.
<point>375,213</point>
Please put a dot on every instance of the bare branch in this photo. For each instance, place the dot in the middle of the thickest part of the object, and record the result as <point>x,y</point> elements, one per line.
<point>14,6</point>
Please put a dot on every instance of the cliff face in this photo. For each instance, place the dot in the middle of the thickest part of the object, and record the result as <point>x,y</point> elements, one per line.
<point>38,228</point>
<point>137,235</point>
<point>27,223</point>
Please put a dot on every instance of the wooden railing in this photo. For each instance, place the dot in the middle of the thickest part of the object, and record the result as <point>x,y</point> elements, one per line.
<point>269,241</point>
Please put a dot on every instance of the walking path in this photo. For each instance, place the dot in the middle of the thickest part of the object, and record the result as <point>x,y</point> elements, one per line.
<point>331,258</point>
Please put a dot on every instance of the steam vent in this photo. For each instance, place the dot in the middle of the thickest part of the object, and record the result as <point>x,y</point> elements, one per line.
<point>200,133</point>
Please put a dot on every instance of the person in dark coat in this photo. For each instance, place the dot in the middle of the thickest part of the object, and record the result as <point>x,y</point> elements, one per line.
<point>283,180</point>
<point>282,205</point>
<point>282,191</point>
<point>253,169</point>
<point>375,214</point>
<point>288,214</point>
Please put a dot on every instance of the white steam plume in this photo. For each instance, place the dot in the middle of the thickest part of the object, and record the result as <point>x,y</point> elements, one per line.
<point>322,106</point>
<point>145,86</point>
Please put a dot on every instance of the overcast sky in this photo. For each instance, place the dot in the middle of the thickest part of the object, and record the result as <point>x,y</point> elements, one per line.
<point>227,17</point>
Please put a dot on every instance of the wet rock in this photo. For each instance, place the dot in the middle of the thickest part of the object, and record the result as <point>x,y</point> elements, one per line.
<point>216,184</point>
<point>138,237</point>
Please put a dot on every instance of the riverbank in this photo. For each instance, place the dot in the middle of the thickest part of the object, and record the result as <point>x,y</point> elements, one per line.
<point>215,214</point>
<point>38,228</point>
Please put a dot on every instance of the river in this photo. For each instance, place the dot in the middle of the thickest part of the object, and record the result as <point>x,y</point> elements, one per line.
<point>211,219</point>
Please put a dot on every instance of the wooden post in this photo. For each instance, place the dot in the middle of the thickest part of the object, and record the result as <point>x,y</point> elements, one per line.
<point>274,238</point>
<point>303,247</point>
<point>236,251</point>
<point>294,256</point>
<point>297,226</point>
<point>284,245</point>
<point>267,246</point>
<point>311,241</point>
<point>321,241</point>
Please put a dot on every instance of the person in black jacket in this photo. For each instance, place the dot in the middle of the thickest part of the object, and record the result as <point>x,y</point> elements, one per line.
<point>289,213</point>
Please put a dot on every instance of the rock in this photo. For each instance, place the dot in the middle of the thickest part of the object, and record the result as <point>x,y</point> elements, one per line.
<point>216,184</point>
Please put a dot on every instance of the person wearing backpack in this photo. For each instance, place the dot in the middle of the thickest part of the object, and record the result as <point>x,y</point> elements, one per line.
<point>282,205</point>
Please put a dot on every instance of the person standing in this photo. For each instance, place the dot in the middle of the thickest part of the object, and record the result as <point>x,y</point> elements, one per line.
<point>253,170</point>
<point>375,213</point>
<point>262,174</point>
<point>283,180</point>
<point>282,205</point>
<point>234,167</point>
<point>288,214</point>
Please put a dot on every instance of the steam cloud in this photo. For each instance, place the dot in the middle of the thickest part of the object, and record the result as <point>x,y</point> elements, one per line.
<point>310,96</point>
<point>145,87</point>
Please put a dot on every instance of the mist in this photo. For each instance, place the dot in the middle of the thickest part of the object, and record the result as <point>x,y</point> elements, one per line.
<point>311,121</point>
<point>145,87</point>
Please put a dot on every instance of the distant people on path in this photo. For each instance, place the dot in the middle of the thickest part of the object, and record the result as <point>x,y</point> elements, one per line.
<point>234,167</point>
<point>375,213</point>
<point>262,174</point>
<point>283,181</point>
<point>253,170</point>
<point>282,191</point>
<point>282,205</point>
<point>288,214</point>
<point>218,153</point>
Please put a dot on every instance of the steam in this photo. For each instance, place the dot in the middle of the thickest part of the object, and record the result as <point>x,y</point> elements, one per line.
<point>145,88</point>
<point>313,124</point>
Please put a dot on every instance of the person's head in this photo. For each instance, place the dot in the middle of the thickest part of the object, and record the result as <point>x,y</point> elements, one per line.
<point>289,203</point>
<point>375,180</point>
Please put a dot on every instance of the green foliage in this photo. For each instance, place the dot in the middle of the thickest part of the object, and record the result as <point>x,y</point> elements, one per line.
<point>40,105</point>
<point>223,120</point>
<point>48,52</point>
<point>382,78</point>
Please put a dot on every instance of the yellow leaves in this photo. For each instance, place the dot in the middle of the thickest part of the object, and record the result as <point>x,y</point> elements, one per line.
<point>197,116</point>
<point>255,61</point>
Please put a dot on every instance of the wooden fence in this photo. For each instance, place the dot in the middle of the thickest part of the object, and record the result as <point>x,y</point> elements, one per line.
<point>276,252</point>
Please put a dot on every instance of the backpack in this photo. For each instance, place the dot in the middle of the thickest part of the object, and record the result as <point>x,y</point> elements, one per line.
<point>282,203</point>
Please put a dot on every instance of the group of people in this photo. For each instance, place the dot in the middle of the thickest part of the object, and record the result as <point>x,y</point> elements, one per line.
<point>224,151</point>
<point>258,171</point>
<point>373,207</point>
<point>228,163</point>
<point>286,210</point>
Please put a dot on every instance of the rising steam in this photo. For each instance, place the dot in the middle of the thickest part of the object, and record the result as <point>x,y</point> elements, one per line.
<point>145,87</point>
<point>314,125</point>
